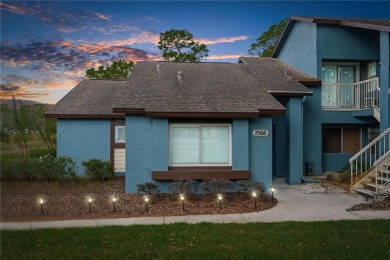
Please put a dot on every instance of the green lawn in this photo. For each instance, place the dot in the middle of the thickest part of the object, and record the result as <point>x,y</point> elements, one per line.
<point>288,240</point>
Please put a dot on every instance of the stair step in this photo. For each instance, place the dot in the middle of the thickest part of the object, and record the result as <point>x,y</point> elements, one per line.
<point>373,185</point>
<point>365,191</point>
<point>383,179</point>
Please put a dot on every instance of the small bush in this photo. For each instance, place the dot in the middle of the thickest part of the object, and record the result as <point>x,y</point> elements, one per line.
<point>10,172</point>
<point>250,186</point>
<point>345,177</point>
<point>43,152</point>
<point>216,186</point>
<point>329,176</point>
<point>148,188</point>
<point>186,186</point>
<point>98,169</point>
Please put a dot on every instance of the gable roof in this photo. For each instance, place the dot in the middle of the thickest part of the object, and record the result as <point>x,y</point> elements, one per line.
<point>88,99</point>
<point>169,89</point>
<point>364,23</point>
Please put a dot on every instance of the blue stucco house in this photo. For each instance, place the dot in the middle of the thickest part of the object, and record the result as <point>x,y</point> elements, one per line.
<point>347,119</point>
<point>319,101</point>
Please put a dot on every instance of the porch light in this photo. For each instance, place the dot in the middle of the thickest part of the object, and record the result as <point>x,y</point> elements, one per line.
<point>182,198</point>
<point>219,197</point>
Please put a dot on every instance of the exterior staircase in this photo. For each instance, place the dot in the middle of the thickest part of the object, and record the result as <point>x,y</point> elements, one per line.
<point>370,168</point>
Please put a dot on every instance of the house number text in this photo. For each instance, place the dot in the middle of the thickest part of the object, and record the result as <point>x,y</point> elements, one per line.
<point>260,132</point>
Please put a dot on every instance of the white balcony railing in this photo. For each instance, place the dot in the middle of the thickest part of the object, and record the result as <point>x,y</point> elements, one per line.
<point>351,96</point>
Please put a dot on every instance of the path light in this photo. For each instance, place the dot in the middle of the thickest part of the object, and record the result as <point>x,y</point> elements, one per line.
<point>41,203</point>
<point>182,198</point>
<point>114,199</point>
<point>272,193</point>
<point>89,204</point>
<point>254,196</point>
<point>219,197</point>
<point>147,200</point>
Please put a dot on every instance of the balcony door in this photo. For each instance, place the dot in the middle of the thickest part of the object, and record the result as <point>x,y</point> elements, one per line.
<point>337,86</point>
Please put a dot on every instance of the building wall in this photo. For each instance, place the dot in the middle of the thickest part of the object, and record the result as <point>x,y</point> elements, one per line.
<point>385,80</point>
<point>83,139</point>
<point>147,149</point>
<point>300,48</point>
<point>306,46</point>
<point>260,151</point>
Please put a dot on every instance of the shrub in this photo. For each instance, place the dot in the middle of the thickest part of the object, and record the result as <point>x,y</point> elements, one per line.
<point>9,172</point>
<point>43,152</point>
<point>345,177</point>
<point>148,188</point>
<point>183,185</point>
<point>51,168</point>
<point>98,169</point>
<point>216,185</point>
<point>329,176</point>
<point>250,186</point>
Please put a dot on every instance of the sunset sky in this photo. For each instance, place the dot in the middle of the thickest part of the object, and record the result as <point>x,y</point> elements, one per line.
<point>47,46</point>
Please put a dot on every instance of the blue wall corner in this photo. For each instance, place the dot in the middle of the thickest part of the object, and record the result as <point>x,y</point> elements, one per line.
<point>384,80</point>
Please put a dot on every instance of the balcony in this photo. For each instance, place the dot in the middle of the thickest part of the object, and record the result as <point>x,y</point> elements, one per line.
<point>351,96</point>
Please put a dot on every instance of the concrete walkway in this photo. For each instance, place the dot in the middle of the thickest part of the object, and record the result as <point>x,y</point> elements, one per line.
<point>293,205</point>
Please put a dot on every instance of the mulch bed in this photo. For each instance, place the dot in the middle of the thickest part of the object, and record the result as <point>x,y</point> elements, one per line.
<point>69,200</point>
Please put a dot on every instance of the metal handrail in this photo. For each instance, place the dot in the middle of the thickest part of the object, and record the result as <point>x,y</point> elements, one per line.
<point>366,158</point>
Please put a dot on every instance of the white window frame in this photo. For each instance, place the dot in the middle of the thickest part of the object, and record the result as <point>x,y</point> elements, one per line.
<point>200,125</point>
<point>116,134</point>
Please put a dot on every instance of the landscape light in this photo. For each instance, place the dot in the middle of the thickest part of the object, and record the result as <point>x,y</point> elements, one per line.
<point>147,199</point>
<point>182,198</point>
<point>254,195</point>
<point>41,203</point>
<point>113,203</point>
<point>89,204</point>
<point>272,193</point>
<point>219,197</point>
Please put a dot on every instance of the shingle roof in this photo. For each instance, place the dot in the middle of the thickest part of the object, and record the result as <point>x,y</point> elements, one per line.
<point>89,98</point>
<point>244,89</point>
<point>208,87</point>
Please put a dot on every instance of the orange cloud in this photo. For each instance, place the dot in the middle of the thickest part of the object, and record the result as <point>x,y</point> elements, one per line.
<point>7,91</point>
<point>220,57</point>
<point>223,40</point>
<point>12,8</point>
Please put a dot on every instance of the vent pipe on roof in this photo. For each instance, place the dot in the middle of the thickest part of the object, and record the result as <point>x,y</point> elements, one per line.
<point>158,66</point>
<point>179,74</point>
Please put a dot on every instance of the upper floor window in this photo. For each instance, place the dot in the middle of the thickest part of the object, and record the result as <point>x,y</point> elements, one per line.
<point>337,85</point>
<point>200,144</point>
<point>120,135</point>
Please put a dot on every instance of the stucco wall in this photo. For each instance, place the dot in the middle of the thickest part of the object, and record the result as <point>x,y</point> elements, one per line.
<point>300,48</point>
<point>240,144</point>
<point>146,149</point>
<point>385,80</point>
<point>83,140</point>
<point>260,151</point>
<point>306,47</point>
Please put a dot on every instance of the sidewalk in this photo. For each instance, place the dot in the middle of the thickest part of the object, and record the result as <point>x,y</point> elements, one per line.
<point>293,205</point>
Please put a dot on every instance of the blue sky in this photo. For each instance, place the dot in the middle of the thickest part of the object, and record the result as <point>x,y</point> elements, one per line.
<point>47,46</point>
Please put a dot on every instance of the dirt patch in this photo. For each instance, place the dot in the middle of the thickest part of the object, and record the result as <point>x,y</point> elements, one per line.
<point>65,201</point>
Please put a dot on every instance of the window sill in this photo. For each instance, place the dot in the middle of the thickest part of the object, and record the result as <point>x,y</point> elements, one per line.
<point>201,174</point>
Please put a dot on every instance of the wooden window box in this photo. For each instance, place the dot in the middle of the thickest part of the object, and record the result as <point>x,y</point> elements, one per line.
<point>200,174</point>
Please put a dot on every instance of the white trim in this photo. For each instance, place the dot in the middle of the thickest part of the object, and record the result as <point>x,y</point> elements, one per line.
<point>200,125</point>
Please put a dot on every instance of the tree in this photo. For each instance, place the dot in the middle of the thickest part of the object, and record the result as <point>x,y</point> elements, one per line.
<point>44,128</point>
<point>117,70</point>
<point>266,43</point>
<point>179,46</point>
